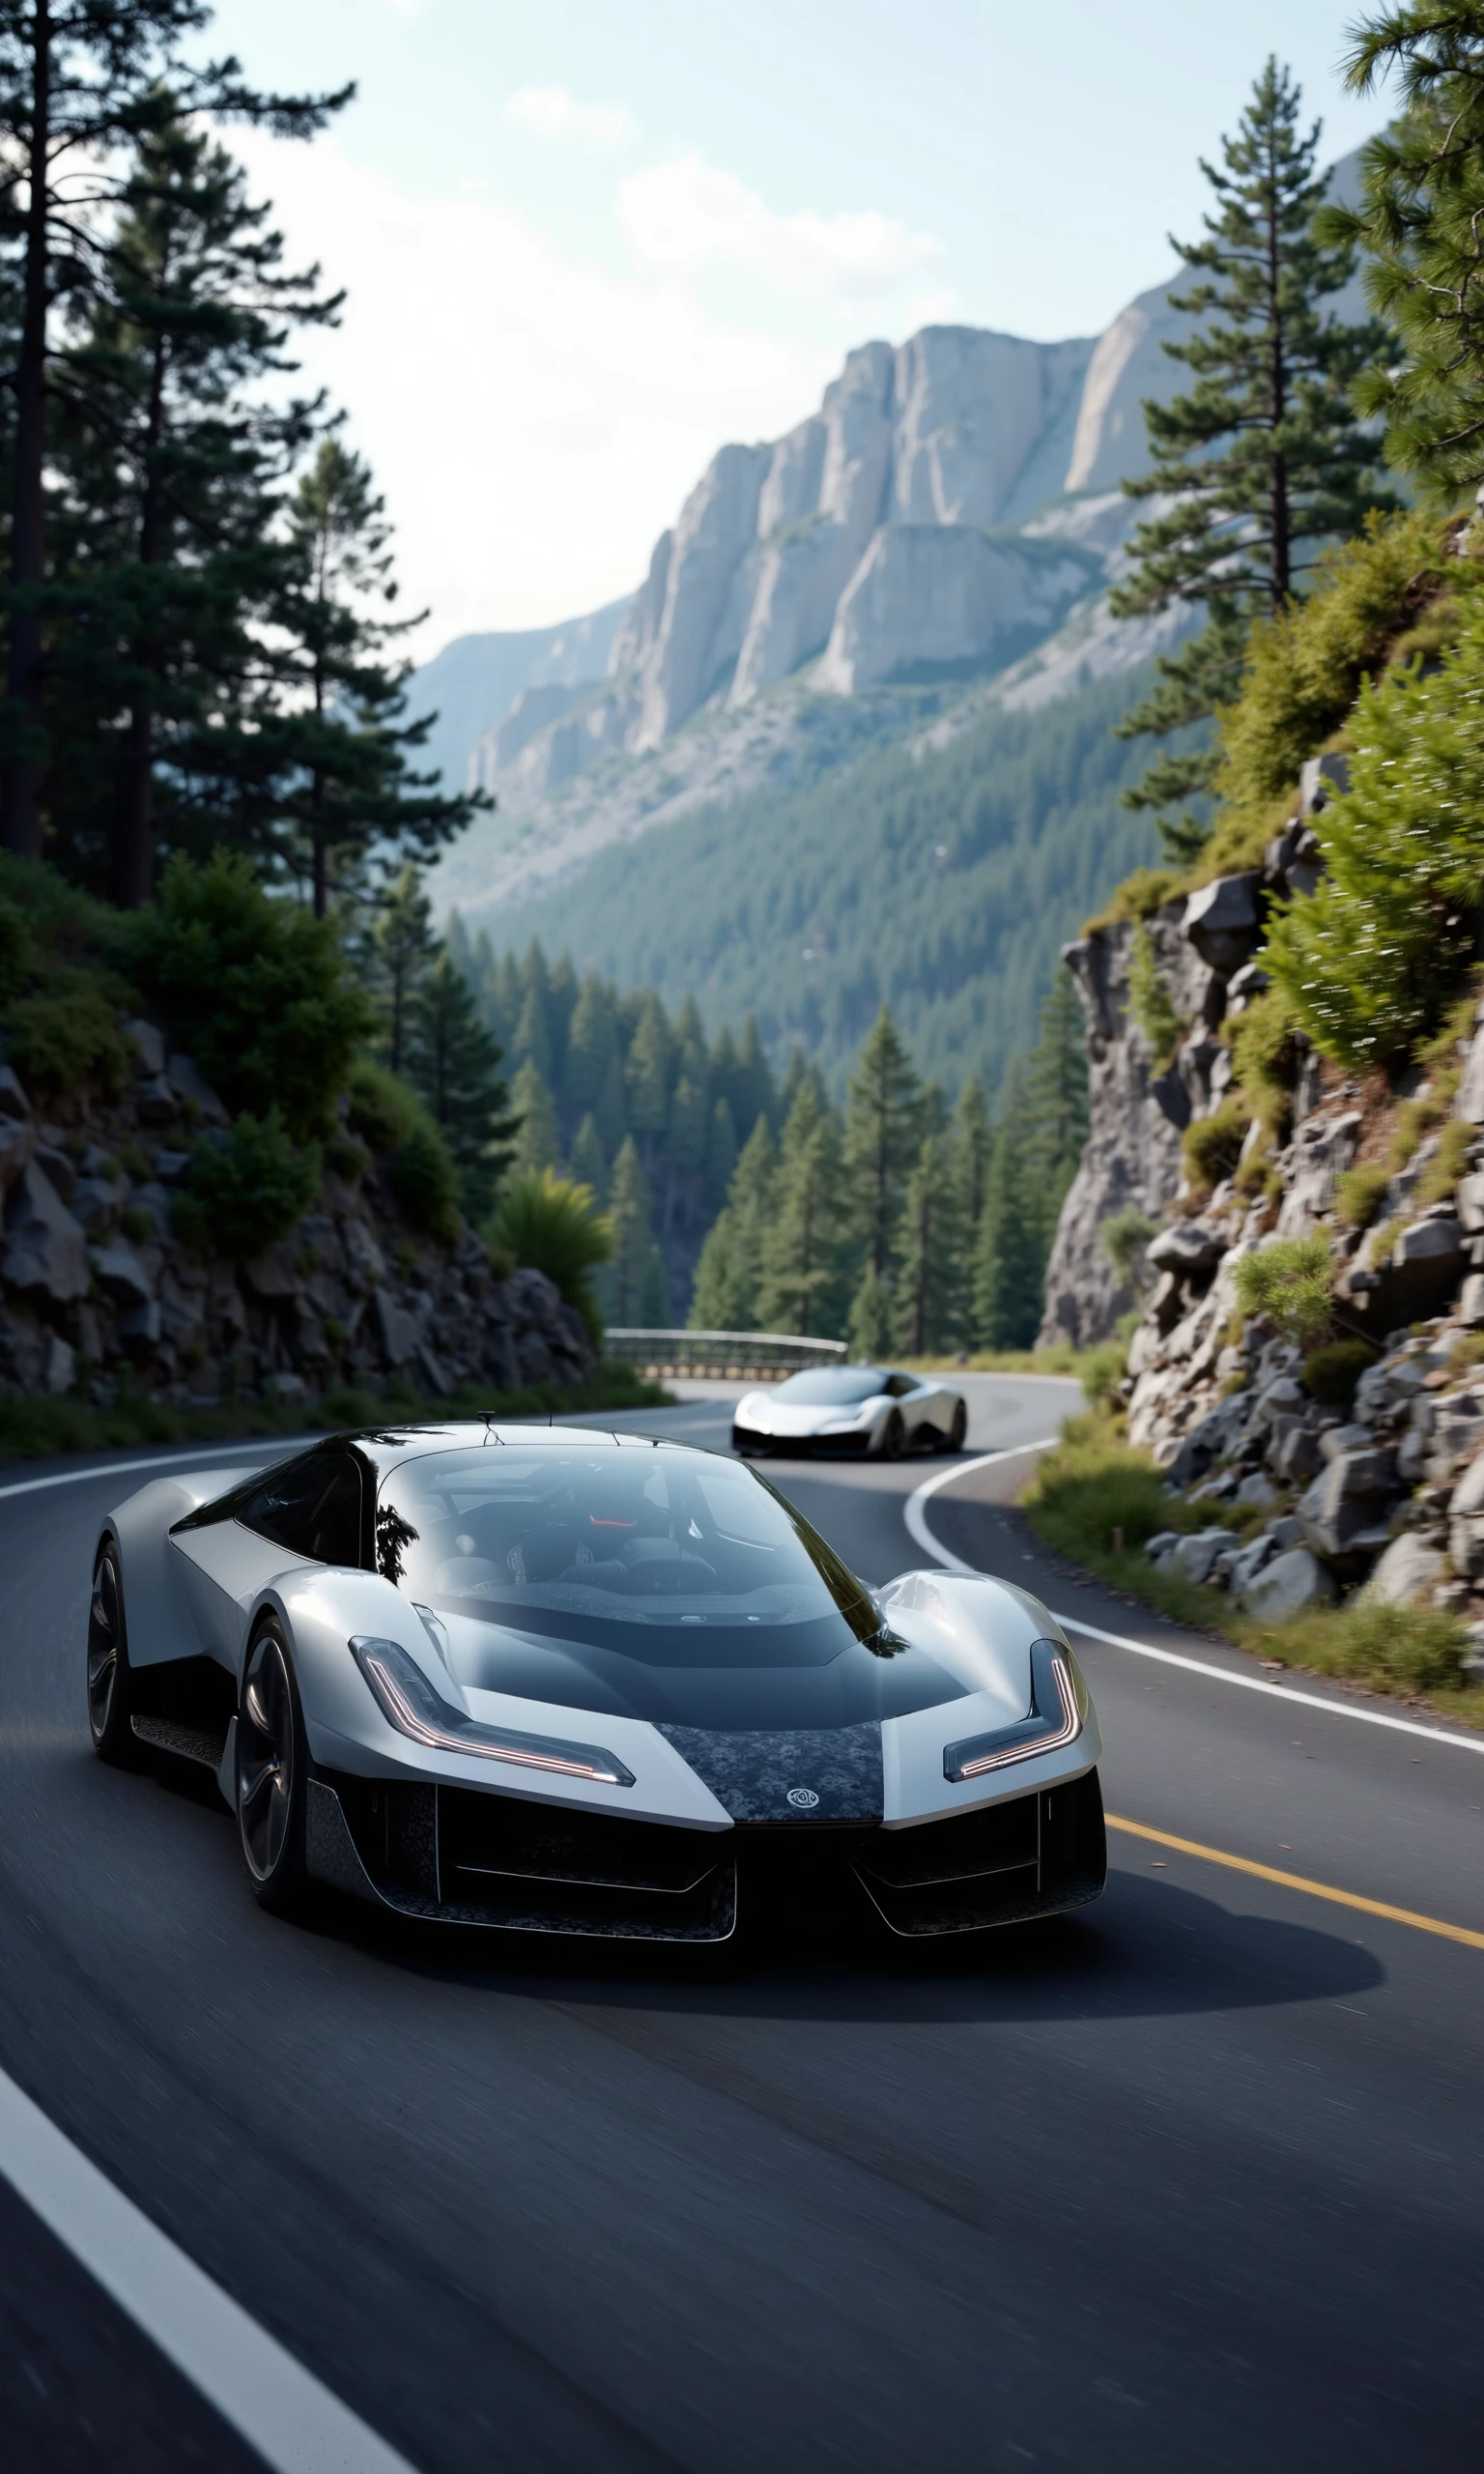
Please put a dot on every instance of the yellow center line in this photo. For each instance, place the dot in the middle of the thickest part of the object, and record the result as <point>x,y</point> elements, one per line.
<point>1296,1882</point>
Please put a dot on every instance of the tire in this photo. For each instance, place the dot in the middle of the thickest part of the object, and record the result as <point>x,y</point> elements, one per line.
<point>959,1427</point>
<point>894,1437</point>
<point>270,1763</point>
<point>109,1677</point>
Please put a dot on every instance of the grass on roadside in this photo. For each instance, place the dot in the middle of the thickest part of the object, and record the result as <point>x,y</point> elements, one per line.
<point>1062,1359</point>
<point>32,1429</point>
<point>1094,1482</point>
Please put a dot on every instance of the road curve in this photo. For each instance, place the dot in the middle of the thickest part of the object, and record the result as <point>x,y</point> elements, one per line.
<point>1191,2180</point>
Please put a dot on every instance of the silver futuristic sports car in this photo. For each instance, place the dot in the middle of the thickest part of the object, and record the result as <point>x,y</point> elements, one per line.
<point>851,1409</point>
<point>582,1682</point>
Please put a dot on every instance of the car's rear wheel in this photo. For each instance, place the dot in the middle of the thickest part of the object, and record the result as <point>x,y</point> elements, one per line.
<point>270,1762</point>
<point>110,1678</point>
<point>959,1429</point>
<point>894,1437</point>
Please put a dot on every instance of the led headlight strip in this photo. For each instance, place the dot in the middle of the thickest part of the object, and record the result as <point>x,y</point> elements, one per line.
<point>1055,1720</point>
<point>410,1703</point>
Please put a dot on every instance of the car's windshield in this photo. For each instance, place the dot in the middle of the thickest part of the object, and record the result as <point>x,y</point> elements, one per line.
<point>661,1553</point>
<point>833,1386</point>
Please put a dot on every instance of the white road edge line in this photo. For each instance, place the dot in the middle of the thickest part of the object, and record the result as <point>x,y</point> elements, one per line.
<point>294,2422</point>
<point>916,1518</point>
<point>244,1450</point>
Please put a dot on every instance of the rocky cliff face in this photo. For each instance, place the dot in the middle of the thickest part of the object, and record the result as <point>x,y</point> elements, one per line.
<point>94,1287</point>
<point>1320,1478</point>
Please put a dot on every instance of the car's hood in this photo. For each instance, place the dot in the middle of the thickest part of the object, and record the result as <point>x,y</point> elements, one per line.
<point>766,1416</point>
<point>945,1637</point>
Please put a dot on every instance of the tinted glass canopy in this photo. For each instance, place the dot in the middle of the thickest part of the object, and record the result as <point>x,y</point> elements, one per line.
<point>842,1387</point>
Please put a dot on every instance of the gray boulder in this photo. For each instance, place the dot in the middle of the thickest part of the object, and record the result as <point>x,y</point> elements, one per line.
<point>394,1328</point>
<point>121,1276</point>
<point>1408,1567</point>
<point>1346,1501</point>
<point>14,1102</point>
<point>1194,1557</point>
<point>1223,920</point>
<point>46,1249</point>
<point>1187,1246</point>
<point>1253,1558</point>
<point>148,1045</point>
<point>1336,1441</point>
<point>17,1147</point>
<point>1287,1585</point>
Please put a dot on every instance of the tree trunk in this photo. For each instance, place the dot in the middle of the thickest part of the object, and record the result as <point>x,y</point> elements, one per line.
<point>133,865</point>
<point>20,817</point>
<point>1279,523</point>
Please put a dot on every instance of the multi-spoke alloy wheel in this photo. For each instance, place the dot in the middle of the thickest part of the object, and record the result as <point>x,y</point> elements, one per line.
<point>270,1772</point>
<point>108,1668</point>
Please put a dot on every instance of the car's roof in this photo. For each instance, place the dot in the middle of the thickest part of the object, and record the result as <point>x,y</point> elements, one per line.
<point>390,1446</point>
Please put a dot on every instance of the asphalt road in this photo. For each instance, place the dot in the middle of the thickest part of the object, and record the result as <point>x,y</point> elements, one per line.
<point>1192,2180</point>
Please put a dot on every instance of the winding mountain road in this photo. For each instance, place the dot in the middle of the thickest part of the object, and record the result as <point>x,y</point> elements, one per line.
<point>1193,2179</point>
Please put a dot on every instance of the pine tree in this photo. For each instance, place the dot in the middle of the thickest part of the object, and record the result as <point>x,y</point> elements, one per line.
<point>591,1042</point>
<point>400,949</point>
<point>628,1212</point>
<point>1265,458</point>
<point>454,1062</point>
<point>973,1141</point>
<point>868,1332</point>
<point>881,1138</point>
<point>80,89</point>
<point>724,1295</point>
<point>531,1106</point>
<point>1056,1100</point>
<point>168,446</point>
<point>928,1313</point>
<point>342,778</point>
<point>654,1311</point>
<point>1420,224</point>
<point>647,1072</point>
<point>1009,1260</point>
<point>720,1154</point>
<point>801,1247</point>
<point>589,1166</point>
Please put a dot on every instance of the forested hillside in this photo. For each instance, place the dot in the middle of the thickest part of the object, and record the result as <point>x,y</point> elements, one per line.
<point>939,881</point>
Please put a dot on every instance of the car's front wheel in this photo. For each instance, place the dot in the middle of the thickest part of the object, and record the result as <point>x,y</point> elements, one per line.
<point>110,1678</point>
<point>270,1762</point>
<point>894,1437</point>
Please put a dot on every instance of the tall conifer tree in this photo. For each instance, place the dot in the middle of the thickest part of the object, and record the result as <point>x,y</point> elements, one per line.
<point>1265,458</point>
<point>80,88</point>
<point>881,1138</point>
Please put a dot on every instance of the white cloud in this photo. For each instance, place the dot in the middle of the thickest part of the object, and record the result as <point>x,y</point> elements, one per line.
<point>534,419</point>
<point>550,111</point>
<point>685,217</point>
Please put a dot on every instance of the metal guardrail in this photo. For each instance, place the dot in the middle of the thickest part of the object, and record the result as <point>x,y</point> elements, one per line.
<point>723,1354</point>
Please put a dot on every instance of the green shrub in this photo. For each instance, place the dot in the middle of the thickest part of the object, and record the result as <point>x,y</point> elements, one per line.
<point>1286,1284</point>
<point>383,1109</point>
<point>1212,1146</point>
<point>137,1224</point>
<point>1439,1178</point>
<point>1374,959</point>
<point>1397,1649</point>
<point>426,1181</point>
<point>1331,1373</point>
<point>1150,1001</point>
<point>555,1225</point>
<point>1304,668</point>
<point>1266,1059</point>
<point>1360,1192</point>
<point>1104,1370</point>
<point>247,1191</point>
<point>1123,1237</point>
<point>15,950</point>
<point>348,1158</point>
<point>1138,897</point>
<point>67,1030</point>
<point>255,987</point>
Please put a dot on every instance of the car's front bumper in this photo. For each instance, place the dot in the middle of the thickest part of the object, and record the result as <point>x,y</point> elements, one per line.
<point>444,1854</point>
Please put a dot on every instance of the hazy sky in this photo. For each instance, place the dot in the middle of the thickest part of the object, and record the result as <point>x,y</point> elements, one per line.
<point>586,241</point>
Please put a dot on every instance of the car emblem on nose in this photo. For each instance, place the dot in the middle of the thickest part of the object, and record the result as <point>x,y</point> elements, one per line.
<point>803,1797</point>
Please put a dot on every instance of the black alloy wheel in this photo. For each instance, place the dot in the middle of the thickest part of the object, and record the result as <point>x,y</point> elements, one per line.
<point>894,1440</point>
<point>110,1695</point>
<point>270,1763</point>
<point>959,1429</point>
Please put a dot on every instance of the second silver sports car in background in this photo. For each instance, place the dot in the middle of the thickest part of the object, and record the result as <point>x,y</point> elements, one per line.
<point>851,1409</point>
